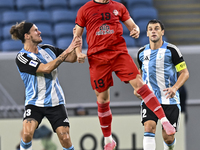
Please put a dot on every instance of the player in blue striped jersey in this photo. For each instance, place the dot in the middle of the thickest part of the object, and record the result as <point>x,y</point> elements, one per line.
<point>37,65</point>
<point>159,63</point>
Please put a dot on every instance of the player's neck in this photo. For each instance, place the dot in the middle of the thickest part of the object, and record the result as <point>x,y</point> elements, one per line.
<point>102,1</point>
<point>30,47</point>
<point>156,45</point>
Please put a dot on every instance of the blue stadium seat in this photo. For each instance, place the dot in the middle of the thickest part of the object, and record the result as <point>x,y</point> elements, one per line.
<point>141,13</point>
<point>142,25</point>
<point>130,42</point>
<point>85,45</point>
<point>64,42</point>
<point>6,32</point>
<point>143,40</point>
<point>132,4</point>
<point>6,5</point>
<point>27,5</point>
<point>51,5</point>
<point>48,41</point>
<point>125,29</point>
<point>76,4</point>
<point>63,30</point>
<point>59,16</point>
<point>11,45</point>
<point>46,29</point>
<point>12,17</point>
<point>38,16</point>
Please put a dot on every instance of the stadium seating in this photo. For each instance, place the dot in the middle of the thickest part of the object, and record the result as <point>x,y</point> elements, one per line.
<point>125,29</point>
<point>141,13</point>
<point>130,42</point>
<point>27,5</point>
<point>12,17</point>
<point>63,16</point>
<point>11,45</point>
<point>6,32</point>
<point>142,25</point>
<point>64,42</point>
<point>76,4</point>
<point>46,29</point>
<point>132,4</point>
<point>38,17</point>
<point>48,41</point>
<point>63,30</point>
<point>6,5</point>
<point>51,5</point>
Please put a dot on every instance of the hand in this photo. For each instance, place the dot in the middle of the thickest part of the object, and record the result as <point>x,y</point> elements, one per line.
<point>81,57</point>
<point>136,94</point>
<point>135,33</point>
<point>76,42</point>
<point>170,92</point>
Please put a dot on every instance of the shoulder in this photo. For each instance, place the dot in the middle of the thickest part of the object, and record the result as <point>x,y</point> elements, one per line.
<point>141,49</point>
<point>173,48</point>
<point>22,57</point>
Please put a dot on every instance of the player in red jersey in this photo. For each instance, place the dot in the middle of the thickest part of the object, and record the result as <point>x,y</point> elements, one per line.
<point>107,52</point>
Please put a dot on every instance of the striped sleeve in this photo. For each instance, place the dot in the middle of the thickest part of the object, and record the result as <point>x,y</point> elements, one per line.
<point>26,64</point>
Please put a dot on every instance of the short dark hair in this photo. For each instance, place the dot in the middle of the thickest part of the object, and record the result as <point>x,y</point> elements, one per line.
<point>153,21</point>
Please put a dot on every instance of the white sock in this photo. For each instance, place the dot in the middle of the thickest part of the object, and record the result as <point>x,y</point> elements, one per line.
<point>169,146</point>
<point>164,119</point>
<point>149,142</point>
<point>108,139</point>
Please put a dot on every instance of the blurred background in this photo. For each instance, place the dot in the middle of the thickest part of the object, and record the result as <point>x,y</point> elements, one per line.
<point>56,19</point>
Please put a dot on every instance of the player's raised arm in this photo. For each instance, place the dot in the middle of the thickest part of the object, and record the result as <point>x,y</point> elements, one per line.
<point>133,28</point>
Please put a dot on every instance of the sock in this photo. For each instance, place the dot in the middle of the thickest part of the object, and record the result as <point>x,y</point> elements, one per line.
<point>25,146</point>
<point>71,148</point>
<point>149,142</point>
<point>169,146</point>
<point>105,119</point>
<point>108,140</point>
<point>151,101</point>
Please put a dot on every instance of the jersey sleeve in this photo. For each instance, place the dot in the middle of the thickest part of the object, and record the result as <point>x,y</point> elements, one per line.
<point>177,58</point>
<point>125,14</point>
<point>55,50</point>
<point>138,57</point>
<point>80,20</point>
<point>27,64</point>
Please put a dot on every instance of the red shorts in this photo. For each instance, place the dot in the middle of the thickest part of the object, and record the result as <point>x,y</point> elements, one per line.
<point>103,64</point>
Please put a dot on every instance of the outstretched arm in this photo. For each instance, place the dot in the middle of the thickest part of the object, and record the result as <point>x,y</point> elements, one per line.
<point>49,67</point>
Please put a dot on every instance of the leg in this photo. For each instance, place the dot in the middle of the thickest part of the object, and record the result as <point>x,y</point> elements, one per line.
<point>152,102</point>
<point>29,126</point>
<point>105,117</point>
<point>169,141</point>
<point>64,137</point>
<point>149,135</point>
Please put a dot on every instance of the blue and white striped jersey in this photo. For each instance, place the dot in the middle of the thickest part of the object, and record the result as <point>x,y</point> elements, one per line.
<point>159,71</point>
<point>42,90</point>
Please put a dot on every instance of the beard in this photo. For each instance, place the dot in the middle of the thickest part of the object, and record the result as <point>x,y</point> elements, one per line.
<point>155,40</point>
<point>35,41</point>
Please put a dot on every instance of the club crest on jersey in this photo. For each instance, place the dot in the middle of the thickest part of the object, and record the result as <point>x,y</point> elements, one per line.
<point>160,55</point>
<point>104,29</point>
<point>115,12</point>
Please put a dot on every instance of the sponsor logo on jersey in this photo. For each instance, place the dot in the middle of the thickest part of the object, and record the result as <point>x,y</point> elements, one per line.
<point>66,120</point>
<point>104,29</point>
<point>115,12</point>
<point>33,63</point>
<point>146,58</point>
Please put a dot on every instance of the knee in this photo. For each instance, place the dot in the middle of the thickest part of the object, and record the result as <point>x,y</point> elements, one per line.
<point>65,138</point>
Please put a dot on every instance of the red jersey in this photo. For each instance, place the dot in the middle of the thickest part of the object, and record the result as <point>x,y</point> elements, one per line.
<point>102,22</point>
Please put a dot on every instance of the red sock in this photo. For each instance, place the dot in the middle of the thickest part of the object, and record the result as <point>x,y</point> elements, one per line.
<point>105,118</point>
<point>151,101</point>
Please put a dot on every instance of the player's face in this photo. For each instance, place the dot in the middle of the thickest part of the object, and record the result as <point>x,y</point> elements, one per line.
<point>154,32</point>
<point>35,35</point>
